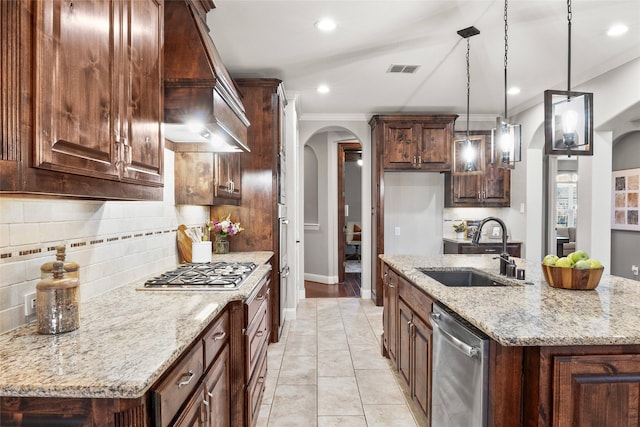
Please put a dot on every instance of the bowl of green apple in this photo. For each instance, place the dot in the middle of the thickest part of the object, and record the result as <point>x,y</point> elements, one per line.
<point>574,271</point>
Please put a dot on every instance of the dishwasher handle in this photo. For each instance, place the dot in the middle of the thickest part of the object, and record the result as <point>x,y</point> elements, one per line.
<point>465,348</point>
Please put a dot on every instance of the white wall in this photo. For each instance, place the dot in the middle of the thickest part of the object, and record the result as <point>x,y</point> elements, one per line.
<point>114,242</point>
<point>413,206</point>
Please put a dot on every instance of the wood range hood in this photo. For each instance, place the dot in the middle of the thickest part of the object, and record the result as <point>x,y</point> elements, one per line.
<point>197,86</point>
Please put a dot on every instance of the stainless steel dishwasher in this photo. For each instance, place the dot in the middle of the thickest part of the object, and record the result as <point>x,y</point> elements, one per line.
<point>460,379</point>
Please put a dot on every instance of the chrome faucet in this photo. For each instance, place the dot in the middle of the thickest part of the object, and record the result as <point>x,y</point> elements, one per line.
<point>504,256</point>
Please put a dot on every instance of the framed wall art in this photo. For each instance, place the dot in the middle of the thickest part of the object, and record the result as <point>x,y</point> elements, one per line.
<point>625,203</point>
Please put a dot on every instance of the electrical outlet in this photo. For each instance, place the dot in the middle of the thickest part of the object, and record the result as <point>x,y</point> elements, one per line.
<point>30,304</point>
<point>397,230</point>
<point>634,270</point>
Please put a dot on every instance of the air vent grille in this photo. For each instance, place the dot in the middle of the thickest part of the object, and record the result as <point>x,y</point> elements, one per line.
<point>406,69</point>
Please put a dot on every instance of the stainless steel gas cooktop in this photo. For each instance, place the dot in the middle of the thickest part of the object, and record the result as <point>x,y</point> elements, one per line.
<point>214,276</point>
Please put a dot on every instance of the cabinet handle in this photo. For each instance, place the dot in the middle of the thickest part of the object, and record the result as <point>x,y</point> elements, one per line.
<point>414,160</point>
<point>391,285</point>
<point>479,194</point>
<point>491,250</point>
<point>128,158</point>
<point>206,410</point>
<point>219,335</point>
<point>420,159</point>
<point>259,333</point>
<point>409,327</point>
<point>260,297</point>
<point>189,376</point>
<point>261,379</point>
<point>484,194</point>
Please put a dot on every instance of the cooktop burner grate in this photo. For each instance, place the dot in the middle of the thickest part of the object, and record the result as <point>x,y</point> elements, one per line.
<point>210,275</point>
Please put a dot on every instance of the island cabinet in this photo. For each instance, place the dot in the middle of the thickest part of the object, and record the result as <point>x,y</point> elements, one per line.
<point>491,188</point>
<point>407,337</point>
<point>421,142</point>
<point>82,103</point>
<point>582,386</point>
<point>390,314</point>
<point>205,178</point>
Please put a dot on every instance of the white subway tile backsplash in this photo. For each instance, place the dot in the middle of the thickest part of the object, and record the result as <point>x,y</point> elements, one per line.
<point>24,234</point>
<point>36,211</point>
<point>11,211</point>
<point>4,236</point>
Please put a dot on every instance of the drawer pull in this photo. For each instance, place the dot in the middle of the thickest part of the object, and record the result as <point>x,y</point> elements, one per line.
<point>260,379</point>
<point>259,333</point>
<point>260,297</point>
<point>219,336</point>
<point>189,376</point>
<point>206,410</point>
<point>491,250</point>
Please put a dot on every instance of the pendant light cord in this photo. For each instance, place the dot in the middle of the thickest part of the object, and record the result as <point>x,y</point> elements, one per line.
<point>468,86</point>
<point>569,16</point>
<point>506,50</point>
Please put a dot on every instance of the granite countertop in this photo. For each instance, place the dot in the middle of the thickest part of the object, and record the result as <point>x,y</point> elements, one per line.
<point>530,312</point>
<point>126,340</point>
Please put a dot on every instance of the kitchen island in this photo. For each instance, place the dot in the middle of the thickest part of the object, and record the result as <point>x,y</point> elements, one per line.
<point>127,341</point>
<point>557,357</point>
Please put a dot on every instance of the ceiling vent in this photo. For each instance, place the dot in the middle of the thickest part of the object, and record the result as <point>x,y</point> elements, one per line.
<point>406,69</point>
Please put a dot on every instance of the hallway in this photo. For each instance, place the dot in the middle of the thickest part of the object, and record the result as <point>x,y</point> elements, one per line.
<point>327,370</point>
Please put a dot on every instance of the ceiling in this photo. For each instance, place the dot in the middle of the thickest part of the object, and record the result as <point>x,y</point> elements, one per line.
<point>277,39</point>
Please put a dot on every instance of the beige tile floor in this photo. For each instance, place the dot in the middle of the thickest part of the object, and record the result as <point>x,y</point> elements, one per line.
<point>327,370</point>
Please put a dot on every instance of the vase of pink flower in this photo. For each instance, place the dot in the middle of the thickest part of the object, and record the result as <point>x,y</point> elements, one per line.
<point>222,229</point>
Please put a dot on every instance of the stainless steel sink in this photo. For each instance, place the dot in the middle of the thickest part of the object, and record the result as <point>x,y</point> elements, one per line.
<point>467,278</point>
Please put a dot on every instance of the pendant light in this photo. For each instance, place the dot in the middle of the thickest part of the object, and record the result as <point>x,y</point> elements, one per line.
<point>506,138</point>
<point>468,152</point>
<point>568,117</point>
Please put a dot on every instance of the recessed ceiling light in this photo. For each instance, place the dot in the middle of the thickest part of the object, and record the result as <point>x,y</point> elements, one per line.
<point>514,90</point>
<point>617,30</point>
<point>323,89</point>
<point>326,24</point>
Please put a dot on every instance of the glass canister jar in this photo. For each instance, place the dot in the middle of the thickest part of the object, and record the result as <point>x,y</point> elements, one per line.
<point>71,268</point>
<point>58,302</point>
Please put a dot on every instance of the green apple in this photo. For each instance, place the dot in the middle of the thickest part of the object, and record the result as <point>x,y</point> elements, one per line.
<point>550,259</point>
<point>578,256</point>
<point>583,263</point>
<point>594,263</point>
<point>565,262</point>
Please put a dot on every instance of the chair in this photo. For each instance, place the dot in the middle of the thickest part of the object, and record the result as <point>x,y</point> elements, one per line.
<point>569,233</point>
<point>353,238</point>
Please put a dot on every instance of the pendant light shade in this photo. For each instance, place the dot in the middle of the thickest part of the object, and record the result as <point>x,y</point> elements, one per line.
<point>506,138</point>
<point>468,152</point>
<point>568,115</point>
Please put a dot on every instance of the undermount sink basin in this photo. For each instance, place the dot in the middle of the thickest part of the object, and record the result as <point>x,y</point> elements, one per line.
<point>468,278</point>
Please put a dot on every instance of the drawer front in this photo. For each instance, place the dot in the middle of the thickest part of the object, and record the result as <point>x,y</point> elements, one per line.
<point>178,384</point>
<point>255,391</point>
<point>417,300</point>
<point>215,338</point>
<point>255,301</point>
<point>481,249</point>
<point>256,338</point>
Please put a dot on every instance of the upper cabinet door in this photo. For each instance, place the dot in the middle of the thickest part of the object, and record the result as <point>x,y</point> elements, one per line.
<point>435,152</point>
<point>143,147</point>
<point>400,145</point>
<point>76,90</point>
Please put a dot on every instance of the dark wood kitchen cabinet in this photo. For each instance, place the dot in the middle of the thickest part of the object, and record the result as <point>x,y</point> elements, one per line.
<point>421,142</point>
<point>205,178</point>
<point>403,142</point>
<point>390,314</point>
<point>264,101</point>
<point>82,103</point>
<point>492,188</point>
<point>450,247</point>
<point>414,344</point>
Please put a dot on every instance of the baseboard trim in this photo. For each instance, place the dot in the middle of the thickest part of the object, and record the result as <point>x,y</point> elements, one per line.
<point>327,280</point>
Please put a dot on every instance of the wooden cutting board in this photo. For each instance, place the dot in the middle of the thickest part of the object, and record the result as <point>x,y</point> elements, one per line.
<point>184,243</point>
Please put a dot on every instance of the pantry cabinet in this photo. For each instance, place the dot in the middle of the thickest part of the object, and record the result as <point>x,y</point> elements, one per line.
<point>492,188</point>
<point>83,102</point>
